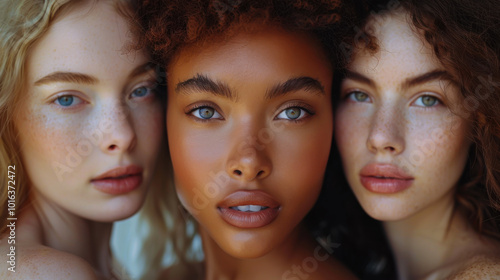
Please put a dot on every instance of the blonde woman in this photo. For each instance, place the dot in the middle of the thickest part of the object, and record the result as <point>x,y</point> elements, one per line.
<point>81,127</point>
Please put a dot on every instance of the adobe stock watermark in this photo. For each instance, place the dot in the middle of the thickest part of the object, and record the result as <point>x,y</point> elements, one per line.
<point>470,104</point>
<point>310,264</point>
<point>91,140</point>
<point>248,147</point>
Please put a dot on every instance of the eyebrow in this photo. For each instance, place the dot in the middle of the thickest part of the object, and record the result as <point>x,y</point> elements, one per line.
<point>204,83</point>
<point>409,82</point>
<point>67,77</point>
<point>80,78</point>
<point>296,84</point>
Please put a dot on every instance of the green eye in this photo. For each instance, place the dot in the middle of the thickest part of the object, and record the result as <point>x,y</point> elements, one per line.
<point>426,101</point>
<point>293,113</point>
<point>206,112</point>
<point>359,96</point>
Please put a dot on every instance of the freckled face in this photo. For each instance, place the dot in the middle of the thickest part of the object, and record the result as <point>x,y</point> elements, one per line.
<point>250,116</point>
<point>88,108</point>
<point>395,111</point>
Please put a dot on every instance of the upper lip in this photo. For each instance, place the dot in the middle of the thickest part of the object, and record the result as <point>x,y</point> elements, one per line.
<point>248,197</point>
<point>120,171</point>
<point>385,170</point>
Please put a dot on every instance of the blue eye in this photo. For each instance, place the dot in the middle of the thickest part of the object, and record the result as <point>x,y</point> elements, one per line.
<point>140,92</point>
<point>292,113</point>
<point>68,100</point>
<point>427,101</point>
<point>359,96</point>
<point>206,113</point>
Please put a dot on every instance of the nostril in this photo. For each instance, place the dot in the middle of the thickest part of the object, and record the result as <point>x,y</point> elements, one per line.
<point>112,147</point>
<point>237,172</point>
<point>260,173</point>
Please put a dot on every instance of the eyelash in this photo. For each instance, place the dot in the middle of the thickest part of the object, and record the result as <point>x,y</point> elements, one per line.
<point>308,111</point>
<point>351,97</point>
<point>195,107</point>
<point>69,107</point>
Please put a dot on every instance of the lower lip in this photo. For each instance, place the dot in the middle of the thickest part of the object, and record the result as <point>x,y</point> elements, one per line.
<point>390,185</point>
<point>248,219</point>
<point>118,186</point>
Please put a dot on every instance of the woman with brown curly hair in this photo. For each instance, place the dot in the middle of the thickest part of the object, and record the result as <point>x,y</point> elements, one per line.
<point>250,126</point>
<point>418,130</point>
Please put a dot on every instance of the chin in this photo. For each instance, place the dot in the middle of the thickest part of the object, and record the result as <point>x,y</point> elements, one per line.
<point>119,208</point>
<point>386,211</point>
<point>246,250</point>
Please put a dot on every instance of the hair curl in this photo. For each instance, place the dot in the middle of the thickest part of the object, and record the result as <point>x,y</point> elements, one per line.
<point>170,26</point>
<point>464,35</point>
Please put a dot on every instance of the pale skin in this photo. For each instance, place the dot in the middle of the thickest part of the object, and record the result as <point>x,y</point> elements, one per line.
<point>248,142</point>
<point>395,109</point>
<point>81,82</point>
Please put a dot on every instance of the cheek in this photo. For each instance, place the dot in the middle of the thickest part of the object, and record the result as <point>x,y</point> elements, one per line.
<point>439,149</point>
<point>149,126</point>
<point>351,131</point>
<point>46,138</point>
<point>300,158</point>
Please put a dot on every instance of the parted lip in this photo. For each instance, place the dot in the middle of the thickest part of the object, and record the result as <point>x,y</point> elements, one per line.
<point>248,197</point>
<point>119,172</point>
<point>384,171</point>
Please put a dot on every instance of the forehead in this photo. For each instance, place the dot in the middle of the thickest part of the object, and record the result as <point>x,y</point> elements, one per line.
<point>401,48</point>
<point>83,36</point>
<point>265,53</point>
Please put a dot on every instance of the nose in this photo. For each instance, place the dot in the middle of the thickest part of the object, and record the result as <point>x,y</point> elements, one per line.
<point>387,132</point>
<point>118,131</point>
<point>248,159</point>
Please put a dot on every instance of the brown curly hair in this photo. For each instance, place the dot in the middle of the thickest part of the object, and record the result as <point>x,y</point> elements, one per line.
<point>464,35</point>
<point>172,25</point>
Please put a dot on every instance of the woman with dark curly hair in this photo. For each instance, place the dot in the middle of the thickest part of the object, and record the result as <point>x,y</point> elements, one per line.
<point>418,130</point>
<point>250,127</point>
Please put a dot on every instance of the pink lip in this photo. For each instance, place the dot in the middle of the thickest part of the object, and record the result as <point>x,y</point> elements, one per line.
<point>248,219</point>
<point>119,180</point>
<point>385,178</point>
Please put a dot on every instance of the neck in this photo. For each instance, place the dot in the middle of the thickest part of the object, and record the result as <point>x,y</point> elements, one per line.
<point>220,265</point>
<point>67,232</point>
<point>433,239</point>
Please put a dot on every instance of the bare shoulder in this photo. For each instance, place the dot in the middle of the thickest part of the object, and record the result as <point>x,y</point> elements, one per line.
<point>41,262</point>
<point>479,267</point>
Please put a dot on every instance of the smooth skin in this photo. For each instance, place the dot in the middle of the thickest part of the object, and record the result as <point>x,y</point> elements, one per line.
<point>398,106</point>
<point>225,127</point>
<point>100,89</point>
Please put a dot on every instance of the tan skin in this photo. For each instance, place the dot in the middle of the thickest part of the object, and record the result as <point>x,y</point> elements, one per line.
<point>393,111</point>
<point>249,142</point>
